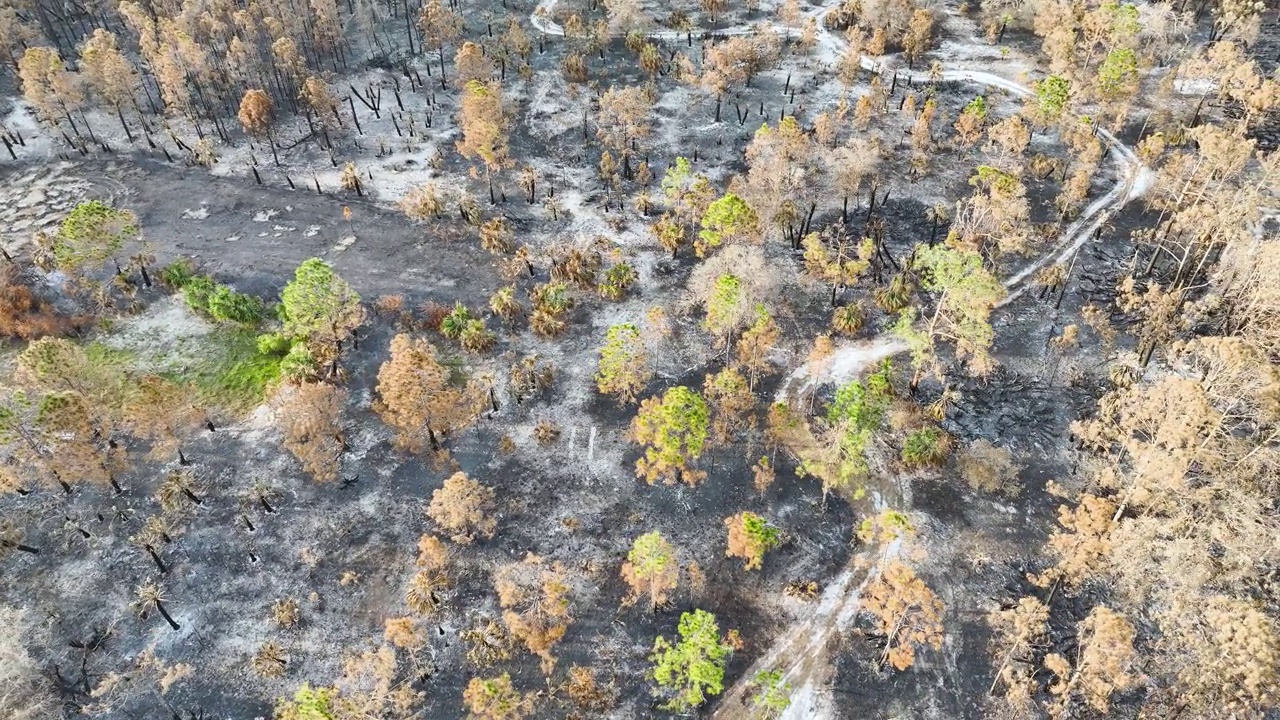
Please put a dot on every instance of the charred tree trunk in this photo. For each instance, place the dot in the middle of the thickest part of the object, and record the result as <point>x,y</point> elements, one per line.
<point>22,548</point>
<point>355,117</point>
<point>123,124</point>
<point>408,26</point>
<point>165,614</point>
<point>155,558</point>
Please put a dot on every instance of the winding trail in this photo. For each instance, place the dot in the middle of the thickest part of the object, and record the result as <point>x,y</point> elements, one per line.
<point>800,651</point>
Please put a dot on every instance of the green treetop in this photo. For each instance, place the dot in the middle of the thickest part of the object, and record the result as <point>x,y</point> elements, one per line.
<point>852,420</point>
<point>750,537</point>
<point>1124,20</point>
<point>772,696</point>
<point>687,192</point>
<point>319,306</point>
<point>967,293</point>
<point>652,567</point>
<point>723,306</point>
<point>624,366</point>
<point>725,220</point>
<point>674,429</point>
<point>693,668</point>
<point>91,234</point>
<point>1118,74</point>
<point>308,704</point>
<point>977,107</point>
<point>1052,94</point>
<point>996,181</point>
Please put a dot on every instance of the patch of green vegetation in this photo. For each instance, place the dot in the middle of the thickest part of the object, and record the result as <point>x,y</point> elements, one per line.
<point>196,291</point>
<point>228,305</point>
<point>925,447</point>
<point>230,367</point>
<point>233,373</point>
<point>102,355</point>
<point>455,323</point>
<point>274,344</point>
<point>178,273</point>
<point>298,363</point>
<point>308,704</point>
<point>209,297</point>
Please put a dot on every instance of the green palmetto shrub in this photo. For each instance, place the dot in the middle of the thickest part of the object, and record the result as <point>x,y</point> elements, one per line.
<point>208,297</point>
<point>475,337</point>
<point>848,319</point>
<point>196,291</point>
<point>453,324</point>
<point>177,274</point>
<point>895,296</point>
<point>299,363</point>
<point>617,281</point>
<point>926,447</point>
<point>227,305</point>
<point>274,344</point>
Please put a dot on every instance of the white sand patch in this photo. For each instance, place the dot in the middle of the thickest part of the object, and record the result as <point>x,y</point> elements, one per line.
<point>398,173</point>
<point>1193,86</point>
<point>38,199</point>
<point>167,337</point>
<point>343,244</point>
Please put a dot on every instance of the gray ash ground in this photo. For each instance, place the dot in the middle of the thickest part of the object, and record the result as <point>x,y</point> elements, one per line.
<point>222,577</point>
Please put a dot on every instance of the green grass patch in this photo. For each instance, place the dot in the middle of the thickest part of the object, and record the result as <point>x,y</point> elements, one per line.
<point>221,362</point>
<point>233,374</point>
<point>102,355</point>
<point>178,273</point>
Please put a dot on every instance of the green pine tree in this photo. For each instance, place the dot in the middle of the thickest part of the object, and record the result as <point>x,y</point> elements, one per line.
<point>674,429</point>
<point>693,668</point>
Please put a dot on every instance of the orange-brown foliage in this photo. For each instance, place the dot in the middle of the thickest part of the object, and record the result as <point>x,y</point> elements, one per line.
<point>25,316</point>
